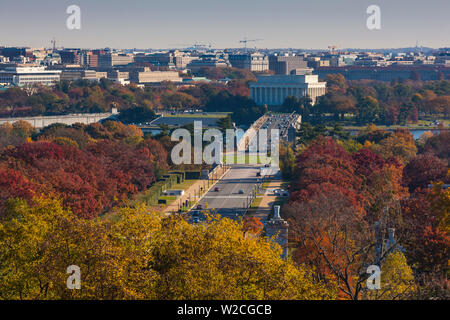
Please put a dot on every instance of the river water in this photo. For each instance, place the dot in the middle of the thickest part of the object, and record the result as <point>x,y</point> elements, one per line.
<point>417,133</point>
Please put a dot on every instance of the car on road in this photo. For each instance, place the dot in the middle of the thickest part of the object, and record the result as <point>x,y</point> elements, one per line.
<point>199,207</point>
<point>196,216</point>
<point>216,189</point>
<point>241,191</point>
<point>281,193</point>
<point>267,165</point>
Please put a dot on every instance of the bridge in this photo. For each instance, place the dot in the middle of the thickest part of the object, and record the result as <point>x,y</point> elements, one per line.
<point>40,122</point>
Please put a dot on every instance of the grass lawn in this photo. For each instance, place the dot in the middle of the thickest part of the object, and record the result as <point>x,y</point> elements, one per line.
<point>266,184</point>
<point>168,198</point>
<point>254,205</point>
<point>184,185</point>
<point>256,202</point>
<point>179,186</point>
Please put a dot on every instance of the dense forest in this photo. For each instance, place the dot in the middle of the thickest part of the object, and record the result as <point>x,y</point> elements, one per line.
<point>346,192</point>
<point>55,186</point>
<point>90,168</point>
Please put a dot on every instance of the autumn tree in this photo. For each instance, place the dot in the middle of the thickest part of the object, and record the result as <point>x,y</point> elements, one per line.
<point>423,170</point>
<point>396,279</point>
<point>331,235</point>
<point>399,144</point>
<point>140,254</point>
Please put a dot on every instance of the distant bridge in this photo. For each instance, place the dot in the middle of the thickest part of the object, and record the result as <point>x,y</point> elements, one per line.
<point>40,122</point>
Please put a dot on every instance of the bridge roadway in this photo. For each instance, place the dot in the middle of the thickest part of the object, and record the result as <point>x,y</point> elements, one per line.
<point>228,202</point>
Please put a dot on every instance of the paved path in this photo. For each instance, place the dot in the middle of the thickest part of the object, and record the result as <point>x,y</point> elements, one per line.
<point>266,204</point>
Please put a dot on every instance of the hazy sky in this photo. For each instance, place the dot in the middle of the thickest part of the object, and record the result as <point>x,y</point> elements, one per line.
<point>171,23</point>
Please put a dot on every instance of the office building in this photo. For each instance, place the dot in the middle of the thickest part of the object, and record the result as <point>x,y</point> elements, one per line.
<point>70,56</point>
<point>390,73</point>
<point>26,76</point>
<point>207,62</point>
<point>110,60</point>
<point>285,64</point>
<point>250,61</point>
<point>170,59</point>
<point>72,74</point>
<point>146,76</point>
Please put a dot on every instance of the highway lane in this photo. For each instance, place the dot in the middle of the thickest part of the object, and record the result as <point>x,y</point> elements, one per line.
<point>227,201</point>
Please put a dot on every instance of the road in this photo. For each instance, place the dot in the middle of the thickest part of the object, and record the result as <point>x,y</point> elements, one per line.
<point>281,122</point>
<point>227,201</point>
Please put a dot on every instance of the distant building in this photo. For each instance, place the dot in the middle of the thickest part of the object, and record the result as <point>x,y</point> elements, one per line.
<point>118,76</point>
<point>92,58</point>
<point>51,59</point>
<point>181,61</point>
<point>273,90</point>
<point>145,75</point>
<point>25,76</point>
<point>443,60</point>
<point>110,60</point>
<point>285,64</point>
<point>14,52</point>
<point>171,59</point>
<point>249,61</point>
<point>70,57</point>
<point>158,59</point>
<point>207,62</point>
<point>394,72</point>
<point>315,62</point>
<point>72,74</point>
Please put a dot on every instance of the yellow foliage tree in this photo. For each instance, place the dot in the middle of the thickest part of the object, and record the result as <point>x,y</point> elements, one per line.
<point>137,254</point>
<point>397,279</point>
<point>400,144</point>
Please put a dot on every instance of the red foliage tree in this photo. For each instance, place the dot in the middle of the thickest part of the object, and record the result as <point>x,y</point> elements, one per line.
<point>427,246</point>
<point>423,170</point>
<point>14,185</point>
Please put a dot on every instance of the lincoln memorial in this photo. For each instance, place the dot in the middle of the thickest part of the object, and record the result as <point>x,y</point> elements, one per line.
<point>273,90</point>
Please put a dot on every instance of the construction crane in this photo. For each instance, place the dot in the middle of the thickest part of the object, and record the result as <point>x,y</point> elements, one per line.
<point>245,41</point>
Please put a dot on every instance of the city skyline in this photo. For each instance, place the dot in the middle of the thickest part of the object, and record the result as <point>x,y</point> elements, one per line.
<point>179,24</point>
